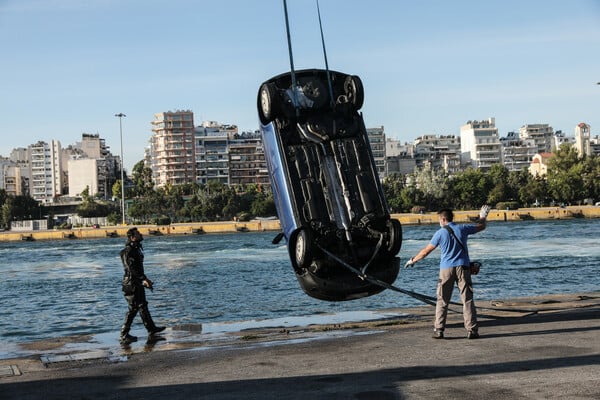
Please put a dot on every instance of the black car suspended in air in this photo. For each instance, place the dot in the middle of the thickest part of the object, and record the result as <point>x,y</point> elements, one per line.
<point>330,203</point>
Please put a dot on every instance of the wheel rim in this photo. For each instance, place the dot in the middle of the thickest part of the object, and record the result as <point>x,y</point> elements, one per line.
<point>300,249</point>
<point>265,102</point>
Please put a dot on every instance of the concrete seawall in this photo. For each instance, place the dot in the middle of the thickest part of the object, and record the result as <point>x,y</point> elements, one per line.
<point>197,228</point>
<point>521,214</point>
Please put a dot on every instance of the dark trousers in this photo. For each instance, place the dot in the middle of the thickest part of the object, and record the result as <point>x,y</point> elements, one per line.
<point>137,302</point>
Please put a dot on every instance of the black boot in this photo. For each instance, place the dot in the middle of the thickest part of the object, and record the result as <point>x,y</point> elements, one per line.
<point>125,337</point>
<point>148,323</point>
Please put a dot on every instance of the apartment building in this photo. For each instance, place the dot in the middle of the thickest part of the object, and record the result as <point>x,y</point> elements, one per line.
<point>85,173</point>
<point>560,138</point>
<point>101,166</point>
<point>517,153</point>
<point>172,148</point>
<point>247,164</point>
<point>441,152</point>
<point>541,134</point>
<point>480,144</point>
<point>211,142</point>
<point>45,171</point>
<point>377,142</point>
<point>10,177</point>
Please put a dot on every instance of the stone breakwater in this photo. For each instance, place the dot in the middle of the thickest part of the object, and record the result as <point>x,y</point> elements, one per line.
<point>197,228</point>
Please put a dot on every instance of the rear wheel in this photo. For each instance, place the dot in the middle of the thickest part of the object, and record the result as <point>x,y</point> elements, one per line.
<point>354,91</point>
<point>302,248</point>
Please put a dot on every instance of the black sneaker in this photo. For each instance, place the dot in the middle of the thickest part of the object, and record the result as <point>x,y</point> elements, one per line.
<point>438,334</point>
<point>156,329</point>
<point>126,339</point>
<point>472,335</point>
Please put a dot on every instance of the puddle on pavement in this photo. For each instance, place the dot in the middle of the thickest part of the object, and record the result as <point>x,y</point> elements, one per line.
<point>106,345</point>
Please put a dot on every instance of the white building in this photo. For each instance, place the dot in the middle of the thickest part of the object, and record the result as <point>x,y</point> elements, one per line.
<point>441,152</point>
<point>378,144</point>
<point>560,138</point>
<point>480,145</point>
<point>583,133</point>
<point>83,173</point>
<point>541,134</point>
<point>394,147</point>
<point>539,164</point>
<point>10,178</point>
<point>517,154</point>
<point>45,171</point>
<point>211,146</point>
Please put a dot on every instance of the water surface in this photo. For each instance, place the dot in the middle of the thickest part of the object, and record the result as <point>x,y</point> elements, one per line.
<point>59,288</point>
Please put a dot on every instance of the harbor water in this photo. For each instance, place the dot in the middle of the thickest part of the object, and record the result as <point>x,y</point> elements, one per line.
<point>61,288</point>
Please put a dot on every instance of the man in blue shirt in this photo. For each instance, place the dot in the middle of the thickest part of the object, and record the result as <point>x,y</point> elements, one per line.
<point>451,238</point>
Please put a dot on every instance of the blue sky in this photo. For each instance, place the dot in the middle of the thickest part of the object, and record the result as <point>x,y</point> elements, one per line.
<point>427,66</point>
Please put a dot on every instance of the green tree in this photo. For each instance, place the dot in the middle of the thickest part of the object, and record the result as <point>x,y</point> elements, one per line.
<point>20,208</point>
<point>533,190</point>
<point>141,177</point>
<point>590,176</point>
<point>565,181</point>
<point>263,205</point>
<point>392,189</point>
<point>3,197</point>
<point>116,189</point>
<point>433,186</point>
<point>469,189</point>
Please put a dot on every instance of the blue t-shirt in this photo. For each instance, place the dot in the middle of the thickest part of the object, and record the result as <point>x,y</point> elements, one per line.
<point>453,255</point>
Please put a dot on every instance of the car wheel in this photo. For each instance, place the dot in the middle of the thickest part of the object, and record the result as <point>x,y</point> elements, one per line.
<point>394,229</point>
<point>303,248</point>
<point>266,104</point>
<point>354,91</point>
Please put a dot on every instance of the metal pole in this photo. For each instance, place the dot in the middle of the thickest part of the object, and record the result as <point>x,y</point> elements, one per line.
<point>120,116</point>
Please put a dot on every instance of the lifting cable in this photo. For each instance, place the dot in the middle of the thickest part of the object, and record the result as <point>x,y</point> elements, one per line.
<point>292,71</point>
<point>421,297</point>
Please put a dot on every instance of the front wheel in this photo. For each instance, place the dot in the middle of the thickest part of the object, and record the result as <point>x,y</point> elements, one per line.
<point>394,230</point>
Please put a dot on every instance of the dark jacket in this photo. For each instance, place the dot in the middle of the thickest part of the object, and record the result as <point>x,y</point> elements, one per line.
<point>132,257</point>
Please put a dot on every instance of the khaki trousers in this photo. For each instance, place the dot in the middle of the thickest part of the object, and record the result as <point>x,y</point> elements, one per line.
<point>447,277</point>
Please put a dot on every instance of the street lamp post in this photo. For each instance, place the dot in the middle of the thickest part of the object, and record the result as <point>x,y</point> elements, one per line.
<point>120,116</point>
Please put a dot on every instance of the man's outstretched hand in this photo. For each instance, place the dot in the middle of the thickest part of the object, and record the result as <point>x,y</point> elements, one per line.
<point>485,210</point>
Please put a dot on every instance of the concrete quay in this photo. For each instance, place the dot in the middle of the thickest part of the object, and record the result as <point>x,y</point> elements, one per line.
<point>195,228</point>
<point>530,348</point>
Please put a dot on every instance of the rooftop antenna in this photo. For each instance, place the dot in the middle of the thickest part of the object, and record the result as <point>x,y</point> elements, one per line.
<point>325,56</point>
<point>289,40</point>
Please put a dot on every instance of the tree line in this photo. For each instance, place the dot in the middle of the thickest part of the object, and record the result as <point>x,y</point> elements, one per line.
<point>570,180</point>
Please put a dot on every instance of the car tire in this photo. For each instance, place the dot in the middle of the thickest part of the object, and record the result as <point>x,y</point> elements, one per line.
<point>354,91</point>
<point>302,248</point>
<point>266,103</point>
<point>394,230</point>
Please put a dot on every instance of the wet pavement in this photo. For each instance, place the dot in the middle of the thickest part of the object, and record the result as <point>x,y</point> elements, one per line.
<point>530,348</point>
